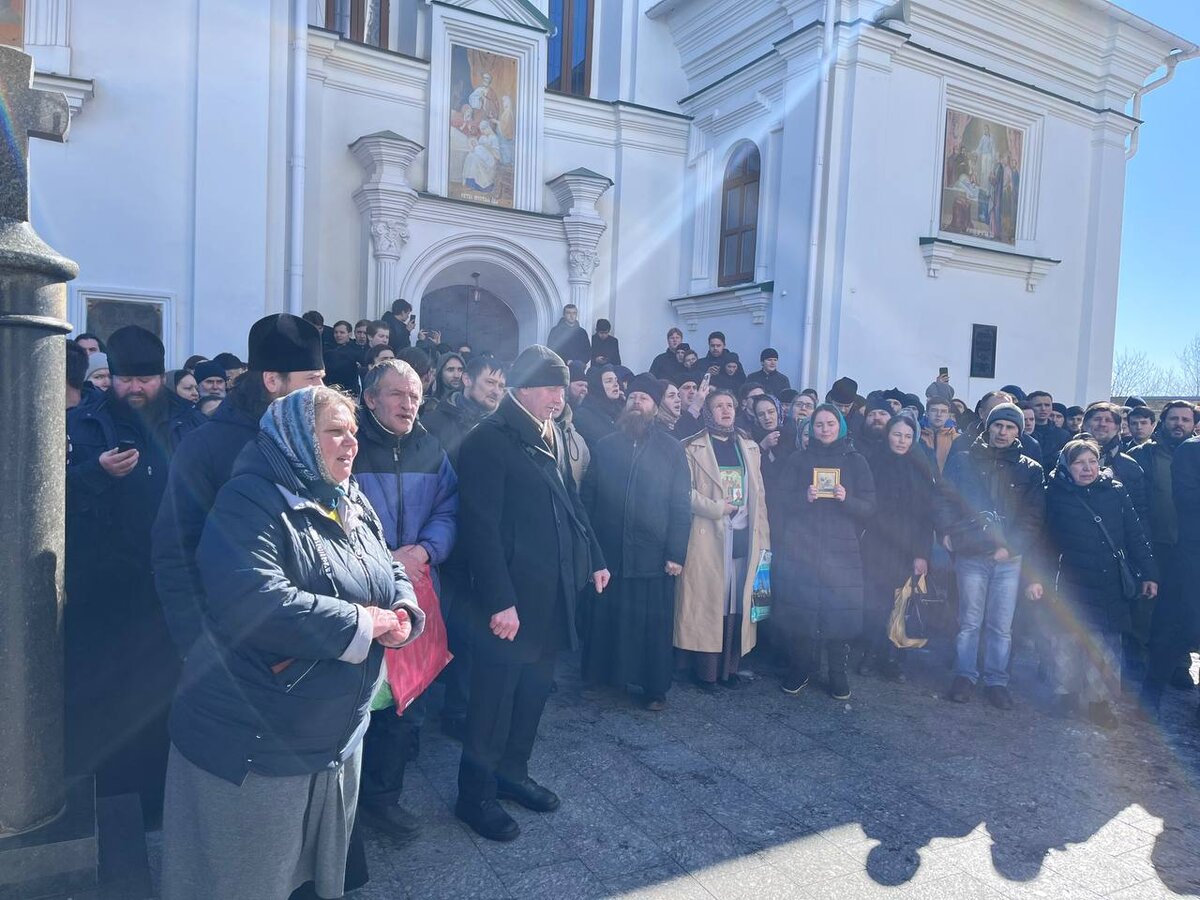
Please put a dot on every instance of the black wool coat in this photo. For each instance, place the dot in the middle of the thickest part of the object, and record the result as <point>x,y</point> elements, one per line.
<point>1185,487</point>
<point>596,418</point>
<point>902,528</point>
<point>817,570</point>
<point>201,465</point>
<point>639,500</point>
<point>1074,562</point>
<point>527,538</point>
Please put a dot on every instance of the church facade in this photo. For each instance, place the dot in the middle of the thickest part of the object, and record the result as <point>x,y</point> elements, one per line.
<point>874,189</point>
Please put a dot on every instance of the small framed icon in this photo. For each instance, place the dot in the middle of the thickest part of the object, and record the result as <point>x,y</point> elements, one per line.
<point>826,482</point>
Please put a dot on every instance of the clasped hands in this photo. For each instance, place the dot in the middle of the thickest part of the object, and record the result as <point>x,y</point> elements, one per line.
<point>389,627</point>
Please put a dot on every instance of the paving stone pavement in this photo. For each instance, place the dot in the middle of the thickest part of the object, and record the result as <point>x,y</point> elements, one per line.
<point>750,793</point>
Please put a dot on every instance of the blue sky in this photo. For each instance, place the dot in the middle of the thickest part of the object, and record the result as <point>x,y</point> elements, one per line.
<point>1159,301</point>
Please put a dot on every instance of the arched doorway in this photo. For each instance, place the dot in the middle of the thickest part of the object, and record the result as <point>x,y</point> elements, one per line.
<point>465,314</point>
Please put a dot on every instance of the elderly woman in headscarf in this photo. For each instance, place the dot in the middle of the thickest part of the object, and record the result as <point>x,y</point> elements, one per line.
<point>266,729</point>
<point>898,539</point>
<point>828,495</point>
<point>713,624</point>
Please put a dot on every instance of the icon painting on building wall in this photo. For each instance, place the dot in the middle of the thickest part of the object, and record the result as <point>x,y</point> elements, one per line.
<point>483,125</point>
<point>981,177</point>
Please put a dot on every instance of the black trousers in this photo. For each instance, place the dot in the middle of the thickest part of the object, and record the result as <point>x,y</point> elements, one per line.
<point>456,677</point>
<point>389,746</point>
<point>506,705</point>
<point>1176,620</point>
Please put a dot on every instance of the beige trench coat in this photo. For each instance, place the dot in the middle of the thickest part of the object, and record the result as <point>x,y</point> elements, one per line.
<point>700,590</point>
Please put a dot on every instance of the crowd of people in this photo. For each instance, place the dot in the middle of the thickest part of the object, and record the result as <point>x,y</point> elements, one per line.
<point>246,541</point>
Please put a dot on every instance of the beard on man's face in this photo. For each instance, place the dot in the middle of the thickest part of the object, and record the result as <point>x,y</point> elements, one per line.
<point>147,407</point>
<point>635,423</point>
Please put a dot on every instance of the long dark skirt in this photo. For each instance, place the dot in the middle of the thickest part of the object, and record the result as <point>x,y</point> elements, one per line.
<point>629,634</point>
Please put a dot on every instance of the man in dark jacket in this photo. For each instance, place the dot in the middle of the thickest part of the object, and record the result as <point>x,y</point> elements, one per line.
<point>1102,420</point>
<point>400,322</point>
<point>637,492</point>
<point>531,550</point>
<point>989,401</point>
<point>1157,621</point>
<point>1180,632</point>
<point>1051,437</point>
<point>989,510</point>
<point>769,376</point>
<point>667,365</point>
<point>718,354</point>
<point>405,475</point>
<point>483,387</point>
<point>568,339</point>
<point>285,355</point>
<point>121,667</point>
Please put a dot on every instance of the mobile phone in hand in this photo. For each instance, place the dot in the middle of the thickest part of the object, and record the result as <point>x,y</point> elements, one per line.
<point>943,371</point>
<point>125,446</point>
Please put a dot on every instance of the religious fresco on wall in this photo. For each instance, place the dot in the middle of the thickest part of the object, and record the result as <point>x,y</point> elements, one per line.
<point>12,23</point>
<point>981,177</point>
<point>483,125</point>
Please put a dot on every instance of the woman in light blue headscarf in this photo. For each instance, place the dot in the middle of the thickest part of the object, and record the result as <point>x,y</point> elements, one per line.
<point>302,597</point>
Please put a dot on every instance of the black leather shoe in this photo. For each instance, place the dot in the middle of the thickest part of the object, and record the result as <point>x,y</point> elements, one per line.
<point>998,696</point>
<point>529,794</point>
<point>960,690</point>
<point>395,820</point>
<point>487,819</point>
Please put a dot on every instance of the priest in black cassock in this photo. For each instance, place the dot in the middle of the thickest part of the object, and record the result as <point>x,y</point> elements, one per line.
<point>637,492</point>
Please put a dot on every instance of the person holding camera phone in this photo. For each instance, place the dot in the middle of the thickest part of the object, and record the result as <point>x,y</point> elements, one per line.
<point>121,664</point>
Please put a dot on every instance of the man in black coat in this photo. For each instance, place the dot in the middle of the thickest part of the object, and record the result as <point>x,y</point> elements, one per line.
<point>121,667</point>
<point>667,365</point>
<point>1102,420</point>
<point>568,339</point>
<point>1184,626</point>
<point>530,551</point>
<point>1051,438</point>
<point>453,419</point>
<point>638,494</point>
<point>285,355</point>
<point>773,381</point>
<point>400,322</point>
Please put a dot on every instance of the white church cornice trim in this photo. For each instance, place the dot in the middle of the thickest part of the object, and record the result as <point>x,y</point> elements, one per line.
<point>941,253</point>
<point>368,71</point>
<point>511,12</point>
<point>753,300</point>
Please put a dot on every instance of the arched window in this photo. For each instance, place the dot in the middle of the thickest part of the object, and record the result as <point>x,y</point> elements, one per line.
<point>739,216</point>
<point>569,47</point>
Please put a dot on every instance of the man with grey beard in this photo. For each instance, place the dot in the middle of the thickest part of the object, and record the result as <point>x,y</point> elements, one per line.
<point>638,496</point>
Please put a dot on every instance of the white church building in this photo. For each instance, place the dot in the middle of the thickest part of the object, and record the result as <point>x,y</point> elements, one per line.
<point>874,189</point>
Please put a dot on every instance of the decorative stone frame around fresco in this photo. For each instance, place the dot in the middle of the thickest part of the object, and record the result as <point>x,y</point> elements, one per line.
<point>453,25</point>
<point>1000,104</point>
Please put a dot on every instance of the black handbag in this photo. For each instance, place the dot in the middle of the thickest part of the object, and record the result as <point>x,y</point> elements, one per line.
<point>1130,589</point>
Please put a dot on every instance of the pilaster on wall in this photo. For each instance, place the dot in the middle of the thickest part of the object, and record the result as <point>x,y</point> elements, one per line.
<point>385,200</point>
<point>47,35</point>
<point>577,192</point>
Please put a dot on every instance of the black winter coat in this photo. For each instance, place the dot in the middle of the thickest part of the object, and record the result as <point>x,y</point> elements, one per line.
<point>1185,482</point>
<point>1126,470</point>
<point>596,418</point>
<point>450,422</point>
<point>667,366</point>
<point>774,383</point>
<point>570,342</point>
<point>202,464</point>
<point>983,479</point>
<point>902,527</point>
<point>606,351</point>
<point>1052,439</point>
<point>971,433</point>
<point>817,570</point>
<point>526,534</point>
<point>639,500</point>
<point>264,689</point>
<point>1074,562</point>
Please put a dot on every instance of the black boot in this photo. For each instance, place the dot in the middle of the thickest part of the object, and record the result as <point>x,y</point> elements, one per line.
<point>839,665</point>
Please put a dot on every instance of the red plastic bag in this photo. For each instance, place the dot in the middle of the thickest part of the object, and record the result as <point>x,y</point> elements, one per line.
<point>411,669</point>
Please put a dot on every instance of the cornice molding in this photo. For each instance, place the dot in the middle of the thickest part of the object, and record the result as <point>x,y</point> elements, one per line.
<point>753,300</point>
<point>941,253</point>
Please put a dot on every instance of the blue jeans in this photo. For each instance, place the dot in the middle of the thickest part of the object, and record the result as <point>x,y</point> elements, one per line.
<point>987,599</point>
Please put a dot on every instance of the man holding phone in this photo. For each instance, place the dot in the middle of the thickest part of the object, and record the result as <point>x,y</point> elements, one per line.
<point>121,666</point>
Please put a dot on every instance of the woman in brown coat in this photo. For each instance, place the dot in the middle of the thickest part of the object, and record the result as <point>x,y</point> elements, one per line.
<point>729,533</point>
